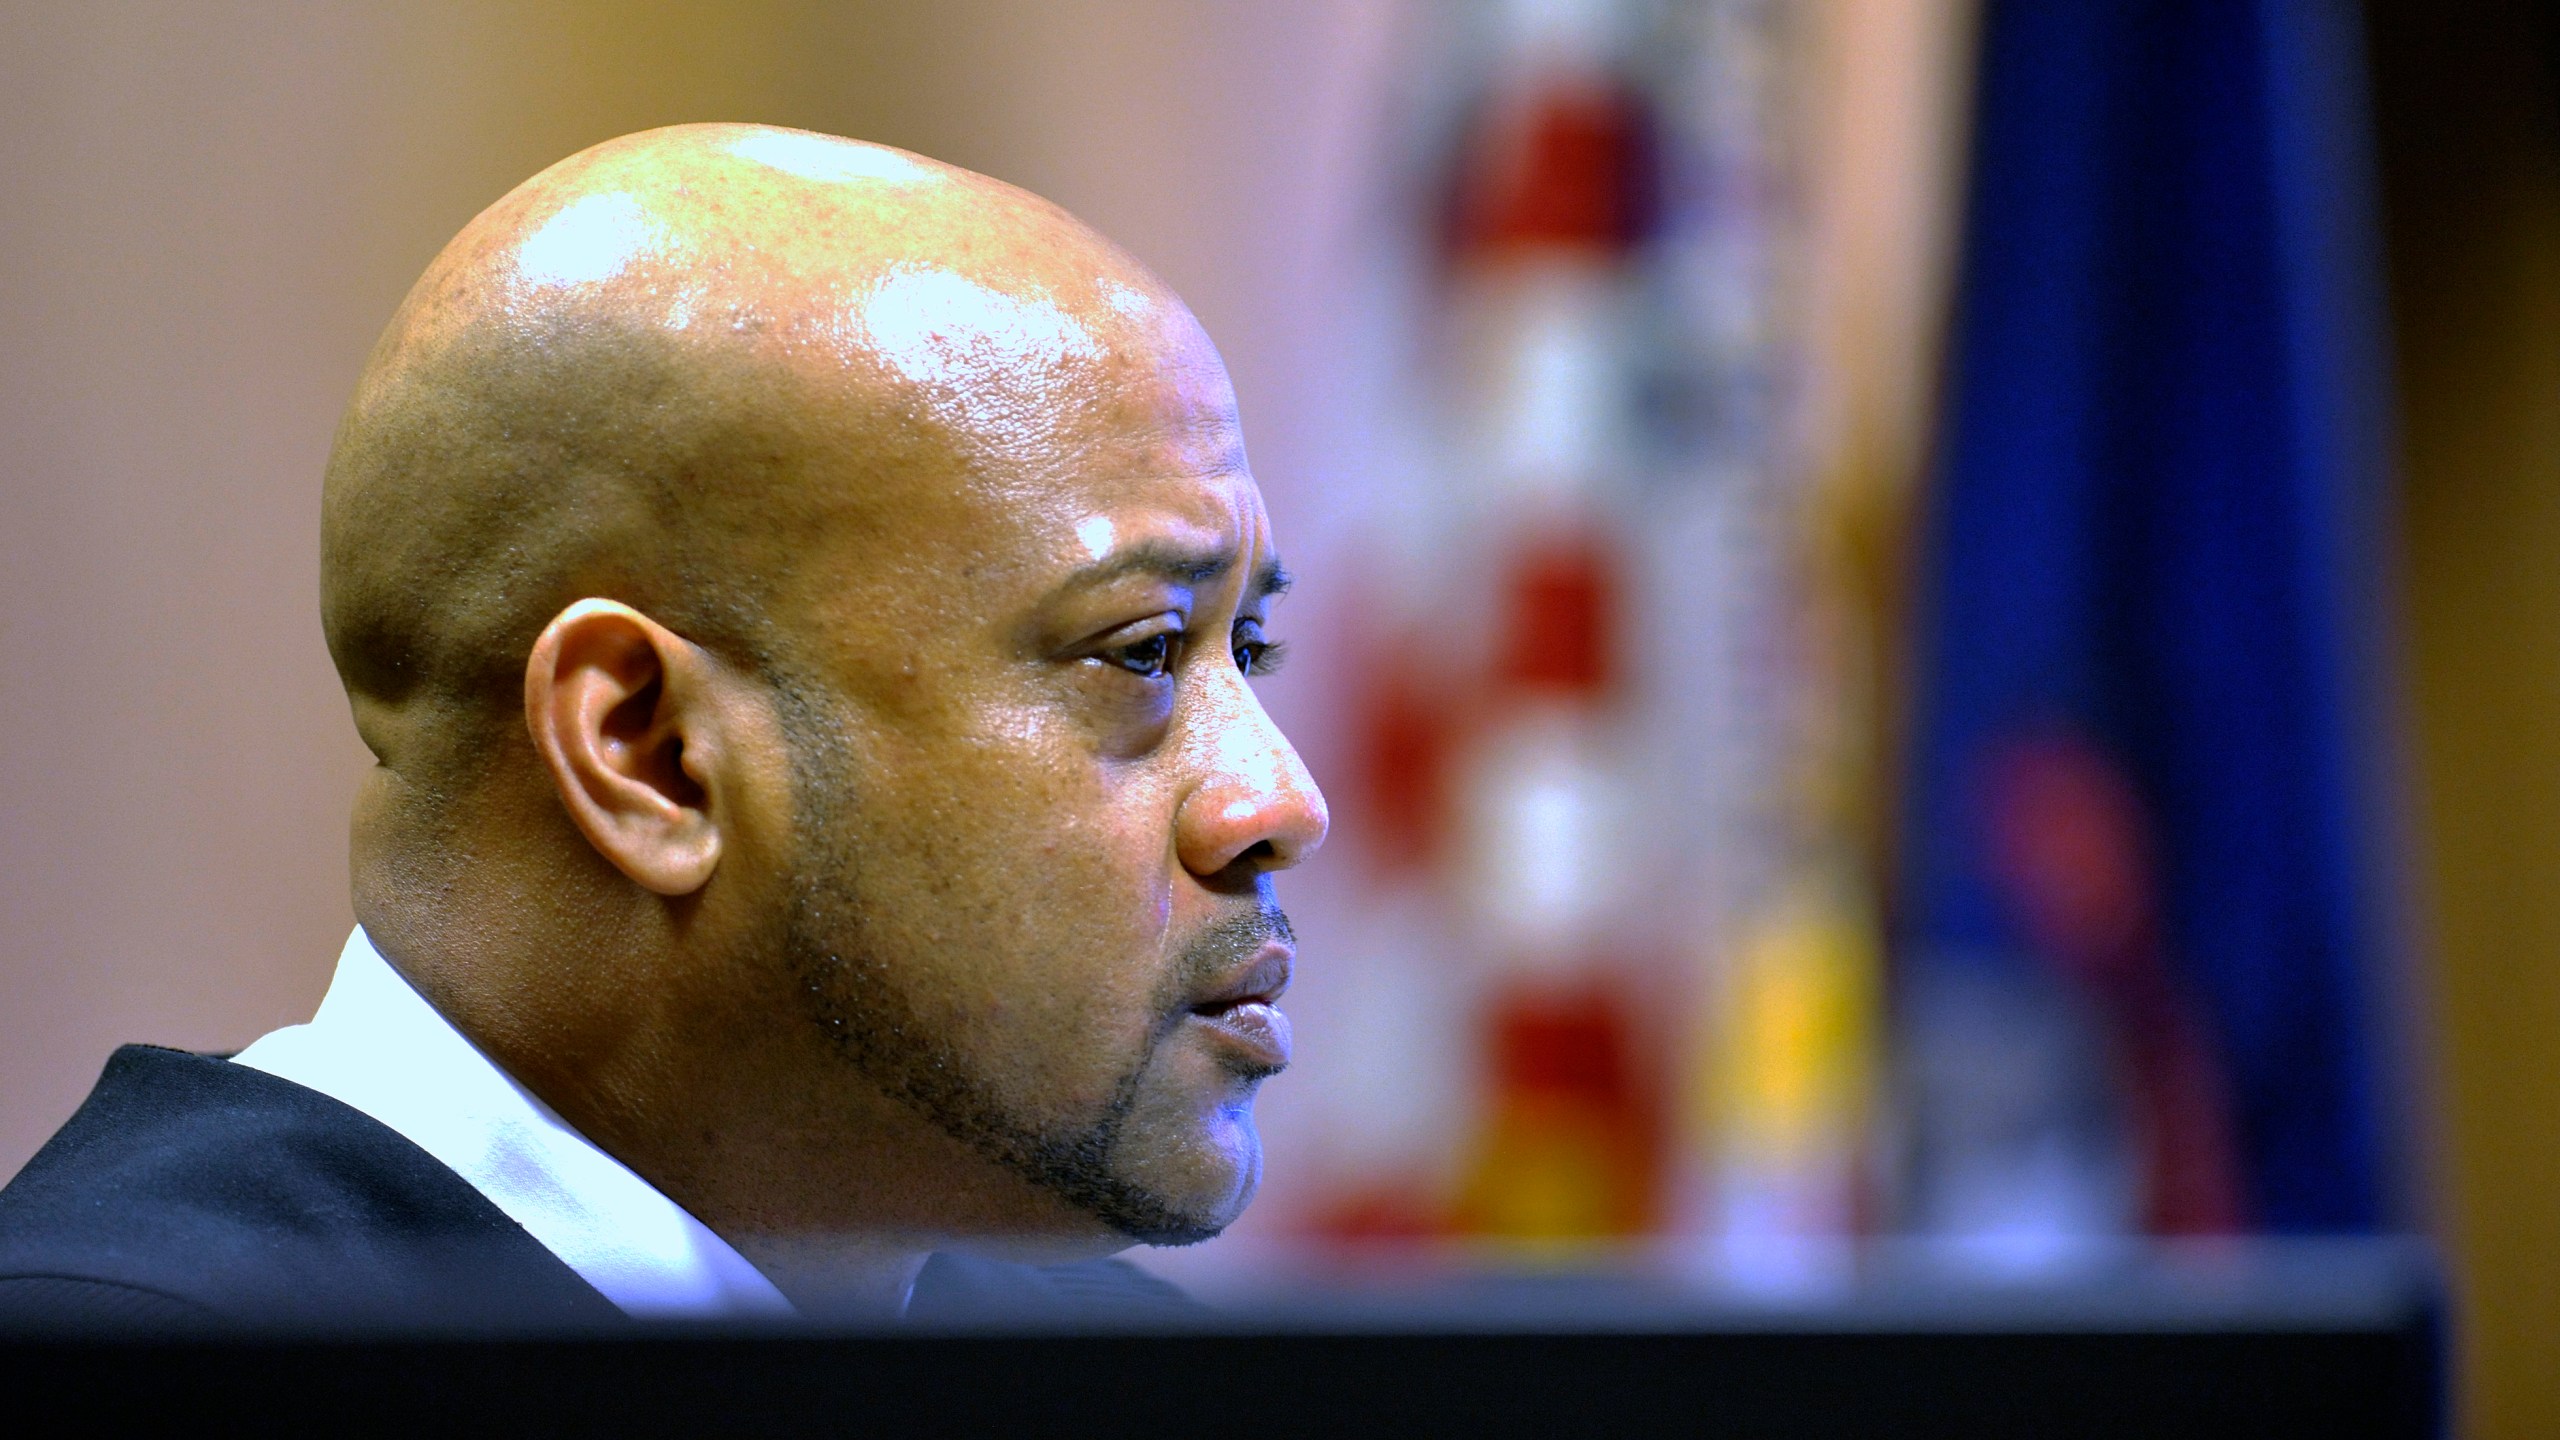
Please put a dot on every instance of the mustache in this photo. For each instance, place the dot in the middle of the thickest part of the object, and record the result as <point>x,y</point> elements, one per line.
<point>1222,946</point>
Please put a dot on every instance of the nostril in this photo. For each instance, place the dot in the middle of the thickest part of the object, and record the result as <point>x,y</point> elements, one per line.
<point>1242,871</point>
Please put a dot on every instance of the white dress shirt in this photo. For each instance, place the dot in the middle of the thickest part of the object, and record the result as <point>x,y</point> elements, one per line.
<point>379,1046</point>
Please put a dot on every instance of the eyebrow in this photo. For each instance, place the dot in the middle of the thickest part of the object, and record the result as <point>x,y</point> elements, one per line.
<point>1183,564</point>
<point>1272,580</point>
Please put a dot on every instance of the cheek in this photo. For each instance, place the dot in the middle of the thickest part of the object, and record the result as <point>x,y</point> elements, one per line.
<point>1028,889</point>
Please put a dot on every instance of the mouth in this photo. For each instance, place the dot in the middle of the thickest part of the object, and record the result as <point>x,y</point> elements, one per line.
<point>1242,1015</point>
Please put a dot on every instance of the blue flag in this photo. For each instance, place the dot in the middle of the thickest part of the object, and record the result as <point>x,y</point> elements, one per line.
<point>2141,917</point>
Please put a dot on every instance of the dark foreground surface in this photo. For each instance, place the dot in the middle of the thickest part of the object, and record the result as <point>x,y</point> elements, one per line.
<point>2343,1344</point>
<point>2329,1384</point>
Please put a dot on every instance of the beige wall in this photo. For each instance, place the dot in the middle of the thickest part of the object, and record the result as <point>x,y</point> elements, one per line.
<point>207,212</point>
<point>180,308</point>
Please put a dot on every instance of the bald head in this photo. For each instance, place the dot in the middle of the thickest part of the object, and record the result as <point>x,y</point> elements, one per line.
<point>657,369</point>
<point>802,597</point>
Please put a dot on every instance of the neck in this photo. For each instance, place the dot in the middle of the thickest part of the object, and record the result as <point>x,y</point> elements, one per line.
<point>842,1279</point>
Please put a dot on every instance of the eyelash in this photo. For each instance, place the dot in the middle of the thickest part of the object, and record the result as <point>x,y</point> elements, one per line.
<point>1158,645</point>
<point>1262,657</point>
<point>1253,657</point>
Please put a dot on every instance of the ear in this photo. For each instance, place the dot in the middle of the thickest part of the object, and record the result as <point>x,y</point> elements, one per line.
<point>626,716</point>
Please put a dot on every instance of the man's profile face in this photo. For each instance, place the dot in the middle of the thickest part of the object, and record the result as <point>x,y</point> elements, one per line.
<point>1038,802</point>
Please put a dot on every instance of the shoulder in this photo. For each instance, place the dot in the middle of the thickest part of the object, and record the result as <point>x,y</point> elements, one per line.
<point>220,1187</point>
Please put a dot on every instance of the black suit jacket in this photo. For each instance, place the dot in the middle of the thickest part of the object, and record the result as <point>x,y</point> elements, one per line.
<point>190,1191</point>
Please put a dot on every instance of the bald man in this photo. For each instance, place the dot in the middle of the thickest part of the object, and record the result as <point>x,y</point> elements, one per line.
<point>801,599</point>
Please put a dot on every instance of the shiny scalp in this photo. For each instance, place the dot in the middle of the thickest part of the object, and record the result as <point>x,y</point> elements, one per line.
<point>653,372</point>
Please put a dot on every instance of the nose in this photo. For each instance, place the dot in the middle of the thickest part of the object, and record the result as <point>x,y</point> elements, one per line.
<point>1253,808</point>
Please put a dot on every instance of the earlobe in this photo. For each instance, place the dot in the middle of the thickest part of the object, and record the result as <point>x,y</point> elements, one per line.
<point>619,710</point>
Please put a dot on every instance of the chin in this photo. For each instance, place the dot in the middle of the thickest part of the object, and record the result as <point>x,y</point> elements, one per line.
<point>1200,1183</point>
<point>1209,1223</point>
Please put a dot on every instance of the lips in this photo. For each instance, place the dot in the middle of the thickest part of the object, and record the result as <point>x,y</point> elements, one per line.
<point>1243,1013</point>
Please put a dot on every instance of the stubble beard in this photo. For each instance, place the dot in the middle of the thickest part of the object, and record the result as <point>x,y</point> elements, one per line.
<point>861,1005</point>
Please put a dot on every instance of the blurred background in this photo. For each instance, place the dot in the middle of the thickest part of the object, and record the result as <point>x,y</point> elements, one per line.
<point>1934,628</point>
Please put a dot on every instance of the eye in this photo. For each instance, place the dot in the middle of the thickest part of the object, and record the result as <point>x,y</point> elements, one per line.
<point>1256,655</point>
<point>1147,659</point>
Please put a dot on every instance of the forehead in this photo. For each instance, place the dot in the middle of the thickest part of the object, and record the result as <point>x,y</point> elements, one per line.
<point>1060,400</point>
<point>1033,427</point>
<point>1018,365</point>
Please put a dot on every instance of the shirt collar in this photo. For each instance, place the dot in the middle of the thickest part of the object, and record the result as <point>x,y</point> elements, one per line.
<point>376,1044</point>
